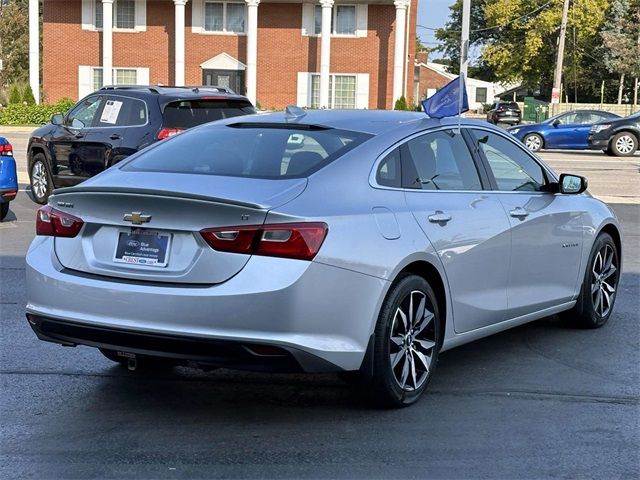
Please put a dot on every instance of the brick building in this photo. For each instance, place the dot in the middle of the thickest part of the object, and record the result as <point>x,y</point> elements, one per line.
<point>351,54</point>
<point>431,76</point>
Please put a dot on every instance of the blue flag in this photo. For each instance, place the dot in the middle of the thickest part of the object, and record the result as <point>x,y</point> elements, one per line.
<point>449,101</point>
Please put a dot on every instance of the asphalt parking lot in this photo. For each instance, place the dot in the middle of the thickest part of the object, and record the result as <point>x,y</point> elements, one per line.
<point>537,401</point>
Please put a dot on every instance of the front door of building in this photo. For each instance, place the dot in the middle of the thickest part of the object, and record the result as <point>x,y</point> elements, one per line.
<point>233,79</point>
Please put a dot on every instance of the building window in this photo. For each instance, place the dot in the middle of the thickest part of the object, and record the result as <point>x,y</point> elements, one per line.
<point>224,17</point>
<point>481,94</point>
<point>121,76</point>
<point>124,14</point>
<point>342,91</point>
<point>343,21</point>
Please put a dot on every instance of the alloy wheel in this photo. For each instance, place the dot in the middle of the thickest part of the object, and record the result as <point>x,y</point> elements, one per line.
<point>39,180</point>
<point>604,279</point>
<point>412,342</point>
<point>625,144</point>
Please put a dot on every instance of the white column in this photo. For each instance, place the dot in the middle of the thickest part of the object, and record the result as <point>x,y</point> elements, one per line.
<point>34,48</point>
<point>399,55</point>
<point>107,42</point>
<point>325,51</point>
<point>252,50</point>
<point>179,41</point>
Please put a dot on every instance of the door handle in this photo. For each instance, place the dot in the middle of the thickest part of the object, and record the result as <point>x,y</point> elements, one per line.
<point>519,212</point>
<point>439,217</point>
<point>79,135</point>
<point>115,136</point>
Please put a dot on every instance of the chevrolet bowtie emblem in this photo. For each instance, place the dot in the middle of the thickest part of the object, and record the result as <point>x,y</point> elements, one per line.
<point>136,218</point>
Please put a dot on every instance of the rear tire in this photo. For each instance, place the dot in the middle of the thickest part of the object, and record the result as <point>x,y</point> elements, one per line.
<point>624,144</point>
<point>4,209</point>
<point>40,179</point>
<point>407,342</point>
<point>599,286</point>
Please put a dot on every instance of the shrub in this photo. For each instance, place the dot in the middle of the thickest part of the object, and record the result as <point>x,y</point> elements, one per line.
<point>27,96</point>
<point>14,95</point>
<point>401,104</point>
<point>19,114</point>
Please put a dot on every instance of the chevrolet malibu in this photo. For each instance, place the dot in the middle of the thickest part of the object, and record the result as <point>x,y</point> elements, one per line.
<point>362,241</point>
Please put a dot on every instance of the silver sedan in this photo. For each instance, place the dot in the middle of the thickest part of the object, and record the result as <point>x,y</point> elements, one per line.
<point>361,241</point>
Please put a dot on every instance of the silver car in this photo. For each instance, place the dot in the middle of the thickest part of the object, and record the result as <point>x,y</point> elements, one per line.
<point>361,241</point>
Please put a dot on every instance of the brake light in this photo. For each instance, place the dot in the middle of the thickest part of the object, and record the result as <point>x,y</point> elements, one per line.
<point>168,132</point>
<point>6,149</point>
<point>54,223</point>
<point>300,241</point>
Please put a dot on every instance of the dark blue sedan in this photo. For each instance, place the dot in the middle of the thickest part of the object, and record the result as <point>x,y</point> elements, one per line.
<point>566,130</point>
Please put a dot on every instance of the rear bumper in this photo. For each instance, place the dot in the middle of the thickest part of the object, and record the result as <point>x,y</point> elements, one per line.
<point>181,349</point>
<point>322,315</point>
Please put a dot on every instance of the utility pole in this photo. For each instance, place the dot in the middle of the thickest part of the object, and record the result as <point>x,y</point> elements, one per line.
<point>464,41</point>
<point>557,77</point>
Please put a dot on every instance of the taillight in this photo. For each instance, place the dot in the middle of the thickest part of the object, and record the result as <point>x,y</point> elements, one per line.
<point>290,240</point>
<point>6,149</point>
<point>54,223</point>
<point>168,132</point>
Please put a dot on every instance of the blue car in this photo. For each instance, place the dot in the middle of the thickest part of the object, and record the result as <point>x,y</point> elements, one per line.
<point>8,177</point>
<point>567,130</point>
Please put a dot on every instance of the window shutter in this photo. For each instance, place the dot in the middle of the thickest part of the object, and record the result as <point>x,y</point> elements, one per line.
<point>88,15</point>
<point>142,76</point>
<point>362,19</point>
<point>308,19</point>
<point>197,16</point>
<point>362,90</point>
<point>141,15</point>
<point>85,81</point>
<point>303,89</point>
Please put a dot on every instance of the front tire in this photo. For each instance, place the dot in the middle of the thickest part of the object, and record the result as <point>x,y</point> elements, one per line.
<point>599,286</point>
<point>407,341</point>
<point>533,142</point>
<point>40,179</point>
<point>624,144</point>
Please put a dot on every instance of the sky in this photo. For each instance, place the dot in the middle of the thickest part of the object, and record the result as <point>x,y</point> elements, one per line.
<point>433,14</point>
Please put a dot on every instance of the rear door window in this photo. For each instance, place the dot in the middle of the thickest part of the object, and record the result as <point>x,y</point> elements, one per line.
<point>122,112</point>
<point>439,161</point>
<point>185,114</point>
<point>249,150</point>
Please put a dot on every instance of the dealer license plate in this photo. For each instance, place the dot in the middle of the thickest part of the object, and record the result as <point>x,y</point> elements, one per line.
<point>143,247</point>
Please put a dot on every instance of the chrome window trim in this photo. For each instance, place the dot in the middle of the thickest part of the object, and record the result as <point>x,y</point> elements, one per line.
<point>374,183</point>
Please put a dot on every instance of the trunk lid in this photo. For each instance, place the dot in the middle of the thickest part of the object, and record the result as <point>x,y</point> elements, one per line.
<point>127,214</point>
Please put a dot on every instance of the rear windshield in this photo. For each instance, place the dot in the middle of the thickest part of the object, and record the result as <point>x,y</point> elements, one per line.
<point>189,113</point>
<point>248,150</point>
<point>513,105</point>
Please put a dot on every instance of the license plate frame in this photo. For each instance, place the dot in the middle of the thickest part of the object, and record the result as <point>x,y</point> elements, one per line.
<point>143,253</point>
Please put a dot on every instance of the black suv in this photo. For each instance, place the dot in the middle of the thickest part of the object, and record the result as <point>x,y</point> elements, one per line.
<point>619,136</point>
<point>504,112</point>
<point>115,122</point>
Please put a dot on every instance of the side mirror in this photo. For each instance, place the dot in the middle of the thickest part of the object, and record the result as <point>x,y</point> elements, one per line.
<point>57,119</point>
<point>572,184</point>
<point>556,123</point>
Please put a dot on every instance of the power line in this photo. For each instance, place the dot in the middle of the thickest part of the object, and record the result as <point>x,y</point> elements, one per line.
<point>497,26</point>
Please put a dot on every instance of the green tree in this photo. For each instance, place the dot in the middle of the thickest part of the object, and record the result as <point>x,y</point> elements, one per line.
<point>621,41</point>
<point>516,41</point>
<point>27,96</point>
<point>14,44</point>
<point>14,95</point>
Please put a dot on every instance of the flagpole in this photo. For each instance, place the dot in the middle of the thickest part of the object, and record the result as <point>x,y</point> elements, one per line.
<point>464,53</point>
